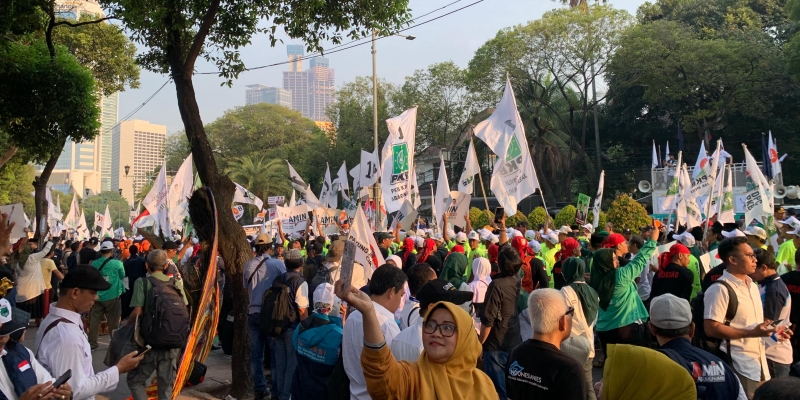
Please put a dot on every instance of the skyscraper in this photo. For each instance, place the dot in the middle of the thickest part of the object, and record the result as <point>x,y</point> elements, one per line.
<point>266,94</point>
<point>312,89</point>
<point>149,141</point>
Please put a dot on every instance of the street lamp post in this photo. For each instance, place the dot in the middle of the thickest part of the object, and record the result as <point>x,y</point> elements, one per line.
<point>376,188</point>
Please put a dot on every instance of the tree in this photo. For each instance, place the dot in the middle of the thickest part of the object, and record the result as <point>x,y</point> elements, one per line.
<point>262,177</point>
<point>118,207</point>
<point>626,213</point>
<point>537,217</point>
<point>176,149</point>
<point>175,34</point>
<point>440,92</point>
<point>16,186</point>
<point>565,217</point>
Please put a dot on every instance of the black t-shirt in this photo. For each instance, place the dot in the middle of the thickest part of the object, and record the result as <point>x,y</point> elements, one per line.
<point>539,274</point>
<point>88,254</point>
<point>712,276</point>
<point>673,279</point>
<point>538,370</point>
<point>500,313</point>
<point>792,281</point>
<point>134,268</point>
<point>710,373</point>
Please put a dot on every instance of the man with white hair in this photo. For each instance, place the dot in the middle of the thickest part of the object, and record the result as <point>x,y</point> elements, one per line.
<point>537,368</point>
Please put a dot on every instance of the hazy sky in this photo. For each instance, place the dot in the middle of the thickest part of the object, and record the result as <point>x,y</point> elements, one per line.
<point>454,37</point>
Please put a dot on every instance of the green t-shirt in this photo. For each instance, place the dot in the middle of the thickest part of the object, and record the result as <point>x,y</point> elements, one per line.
<point>473,254</point>
<point>113,272</point>
<point>694,266</point>
<point>786,254</point>
<point>138,298</point>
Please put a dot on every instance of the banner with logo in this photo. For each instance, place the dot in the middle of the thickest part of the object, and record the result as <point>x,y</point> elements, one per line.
<point>701,175</point>
<point>398,159</point>
<point>671,198</point>
<point>513,177</point>
<point>238,211</point>
<point>582,208</point>
<point>272,200</point>
<point>458,209</point>
<point>326,218</point>
<point>757,203</point>
<point>293,219</point>
<point>471,168</point>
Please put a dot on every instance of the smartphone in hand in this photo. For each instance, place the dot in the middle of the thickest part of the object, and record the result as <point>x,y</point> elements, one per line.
<point>499,213</point>
<point>63,379</point>
<point>144,350</point>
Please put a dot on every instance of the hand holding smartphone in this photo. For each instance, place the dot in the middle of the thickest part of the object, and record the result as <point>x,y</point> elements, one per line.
<point>143,351</point>
<point>499,213</point>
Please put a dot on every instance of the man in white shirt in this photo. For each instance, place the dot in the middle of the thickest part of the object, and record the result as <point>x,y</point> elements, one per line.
<point>745,331</point>
<point>386,292</point>
<point>418,276</point>
<point>62,345</point>
<point>407,346</point>
<point>285,354</point>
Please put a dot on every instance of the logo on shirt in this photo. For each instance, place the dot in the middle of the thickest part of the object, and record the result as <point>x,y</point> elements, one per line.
<point>517,371</point>
<point>24,366</point>
<point>711,373</point>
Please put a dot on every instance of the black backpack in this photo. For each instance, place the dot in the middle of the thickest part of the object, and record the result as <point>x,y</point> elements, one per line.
<point>324,275</point>
<point>278,310</point>
<point>701,339</point>
<point>165,323</point>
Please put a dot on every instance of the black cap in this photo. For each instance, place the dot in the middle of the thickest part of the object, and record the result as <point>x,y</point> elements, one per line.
<point>85,277</point>
<point>169,245</point>
<point>441,290</point>
<point>13,328</point>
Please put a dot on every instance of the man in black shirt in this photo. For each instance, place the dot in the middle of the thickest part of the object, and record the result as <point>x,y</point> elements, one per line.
<point>671,323</point>
<point>792,281</point>
<point>135,268</point>
<point>88,252</point>
<point>537,369</point>
<point>673,276</point>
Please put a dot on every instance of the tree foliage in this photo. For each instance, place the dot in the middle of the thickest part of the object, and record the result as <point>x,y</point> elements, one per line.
<point>118,207</point>
<point>626,213</point>
<point>480,218</point>
<point>512,220</point>
<point>537,217</point>
<point>16,179</point>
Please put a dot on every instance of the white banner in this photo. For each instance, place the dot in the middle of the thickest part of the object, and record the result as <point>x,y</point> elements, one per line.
<point>272,200</point>
<point>471,167</point>
<point>367,252</point>
<point>293,219</point>
<point>326,218</point>
<point>513,177</point>
<point>242,195</point>
<point>398,159</point>
<point>156,202</point>
<point>458,209</point>
<point>16,214</point>
<point>179,192</point>
<point>671,198</point>
<point>598,200</point>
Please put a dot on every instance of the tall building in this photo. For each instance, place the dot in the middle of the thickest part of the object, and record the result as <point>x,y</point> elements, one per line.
<point>266,94</point>
<point>86,165</point>
<point>138,145</point>
<point>312,89</point>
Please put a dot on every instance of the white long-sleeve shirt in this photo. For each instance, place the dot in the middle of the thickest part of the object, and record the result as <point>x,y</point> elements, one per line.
<point>30,281</point>
<point>353,343</point>
<point>67,347</point>
<point>7,387</point>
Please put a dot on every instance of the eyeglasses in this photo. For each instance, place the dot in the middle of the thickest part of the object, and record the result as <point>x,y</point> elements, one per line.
<point>570,311</point>
<point>446,330</point>
<point>748,255</point>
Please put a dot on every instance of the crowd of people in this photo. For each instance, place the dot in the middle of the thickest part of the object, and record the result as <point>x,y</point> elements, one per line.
<point>493,312</point>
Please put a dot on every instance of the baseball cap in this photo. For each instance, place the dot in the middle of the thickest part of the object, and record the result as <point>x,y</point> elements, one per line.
<point>756,231</point>
<point>451,233</point>
<point>565,230</point>
<point>85,277</point>
<point>441,290</point>
<point>263,239</point>
<point>106,246</point>
<point>169,245</point>
<point>324,294</point>
<point>733,233</point>
<point>474,236</point>
<point>5,311</point>
<point>419,242</point>
<point>461,237</point>
<point>552,237</point>
<point>530,235</point>
<point>177,237</point>
<point>535,246</point>
<point>293,254</point>
<point>384,236</point>
<point>588,227</point>
<point>10,326</point>
<point>670,312</point>
<point>486,235</point>
<point>335,251</point>
<point>439,238</point>
<point>686,238</point>
<point>495,239</point>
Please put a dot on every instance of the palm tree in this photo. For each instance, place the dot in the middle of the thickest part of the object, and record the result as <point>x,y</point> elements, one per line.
<point>259,176</point>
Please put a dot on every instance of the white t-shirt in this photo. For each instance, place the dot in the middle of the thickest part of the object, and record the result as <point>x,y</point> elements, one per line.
<point>301,297</point>
<point>407,346</point>
<point>409,314</point>
<point>353,343</point>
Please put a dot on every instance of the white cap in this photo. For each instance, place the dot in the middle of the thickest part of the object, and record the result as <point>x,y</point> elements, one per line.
<point>535,246</point>
<point>5,311</point>
<point>108,245</point>
<point>419,242</point>
<point>565,230</point>
<point>792,221</point>
<point>552,237</point>
<point>324,293</point>
<point>474,236</point>
<point>588,227</point>
<point>686,238</point>
<point>451,233</point>
<point>439,238</point>
<point>510,231</point>
<point>398,262</point>
<point>495,239</point>
<point>461,237</point>
<point>530,235</point>
<point>486,234</point>
<point>756,231</point>
<point>734,233</point>
<point>177,237</point>
<point>516,233</point>
<point>195,240</point>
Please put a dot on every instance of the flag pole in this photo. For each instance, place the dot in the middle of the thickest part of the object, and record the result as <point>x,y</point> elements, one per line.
<point>433,210</point>
<point>480,175</point>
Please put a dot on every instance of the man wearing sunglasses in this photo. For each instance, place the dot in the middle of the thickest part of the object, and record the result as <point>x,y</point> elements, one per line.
<point>537,368</point>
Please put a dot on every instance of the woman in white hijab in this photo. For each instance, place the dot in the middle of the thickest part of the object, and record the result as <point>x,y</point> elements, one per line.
<point>481,268</point>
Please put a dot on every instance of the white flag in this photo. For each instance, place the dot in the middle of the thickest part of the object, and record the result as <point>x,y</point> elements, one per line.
<point>458,208</point>
<point>238,211</point>
<point>74,213</point>
<point>666,153</point>
<point>297,182</point>
<point>108,225</point>
<point>367,252</point>
<point>513,177</point>
<point>244,196</point>
<point>341,178</point>
<point>179,191</point>
<point>688,208</point>
<point>598,200</point>
<point>98,220</point>
<point>292,201</point>
<point>773,156</point>
<point>701,182</point>
<point>725,208</point>
<point>415,199</point>
<point>654,163</point>
<point>398,159</point>
<point>82,227</point>
<point>443,198</point>
<point>156,202</point>
<point>405,216</point>
<point>327,194</point>
<point>756,201</point>
<point>369,170</point>
<point>471,168</point>
<point>671,198</point>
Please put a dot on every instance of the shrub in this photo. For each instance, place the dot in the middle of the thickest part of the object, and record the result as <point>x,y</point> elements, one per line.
<point>565,217</point>
<point>512,220</point>
<point>626,213</point>
<point>479,218</point>
<point>537,217</point>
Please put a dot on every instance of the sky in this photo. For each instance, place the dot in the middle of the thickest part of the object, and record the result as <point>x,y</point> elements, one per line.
<point>454,37</point>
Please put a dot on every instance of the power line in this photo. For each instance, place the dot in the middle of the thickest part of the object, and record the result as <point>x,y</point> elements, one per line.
<point>135,110</point>
<point>353,45</point>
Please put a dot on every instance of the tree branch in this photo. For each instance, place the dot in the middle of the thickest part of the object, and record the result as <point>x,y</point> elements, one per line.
<point>77,24</point>
<point>12,150</point>
<point>200,37</point>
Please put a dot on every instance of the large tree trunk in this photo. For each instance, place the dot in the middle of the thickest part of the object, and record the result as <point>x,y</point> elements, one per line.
<point>233,245</point>
<point>40,193</point>
<point>10,152</point>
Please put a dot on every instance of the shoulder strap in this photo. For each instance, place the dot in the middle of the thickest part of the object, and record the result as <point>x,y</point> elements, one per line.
<point>257,268</point>
<point>408,319</point>
<point>104,263</point>
<point>46,330</point>
<point>733,302</point>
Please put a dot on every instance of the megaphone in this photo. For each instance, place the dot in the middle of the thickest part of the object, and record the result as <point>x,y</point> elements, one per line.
<point>791,192</point>
<point>780,191</point>
<point>645,187</point>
